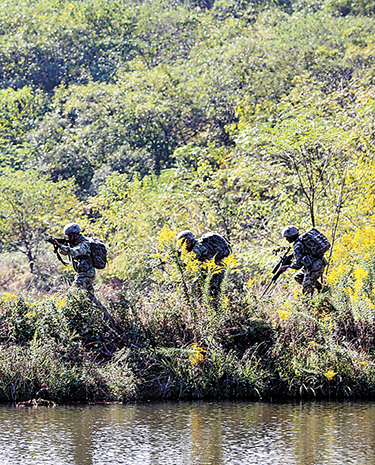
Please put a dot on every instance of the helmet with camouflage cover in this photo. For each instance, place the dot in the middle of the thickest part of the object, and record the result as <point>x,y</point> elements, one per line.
<point>290,231</point>
<point>186,235</point>
<point>72,228</point>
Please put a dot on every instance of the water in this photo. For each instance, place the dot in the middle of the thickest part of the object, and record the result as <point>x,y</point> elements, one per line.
<point>198,433</point>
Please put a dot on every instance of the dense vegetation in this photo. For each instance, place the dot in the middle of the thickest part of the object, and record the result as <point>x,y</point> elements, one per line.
<point>138,119</point>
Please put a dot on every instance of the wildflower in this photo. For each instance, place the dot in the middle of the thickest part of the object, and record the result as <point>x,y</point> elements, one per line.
<point>61,303</point>
<point>313,343</point>
<point>250,283</point>
<point>330,374</point>
<point>210,265</point>
<point>7,297</point>
<point>360,274</point>
<point>230,261</point>
<point>297,294</point>
<point>369,303</point>
<point>226,302</point>
<point>197,357</point>
<point>283,314</point>
<point>192,264</point>
<point>29,314</point>
<point>166,237</point>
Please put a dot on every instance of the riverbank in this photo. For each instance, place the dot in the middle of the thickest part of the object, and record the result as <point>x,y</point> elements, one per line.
<point>161,347</point>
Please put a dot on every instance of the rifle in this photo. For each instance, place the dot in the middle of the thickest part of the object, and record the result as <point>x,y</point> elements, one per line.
<point>286,259</point>
<point>60,240</point>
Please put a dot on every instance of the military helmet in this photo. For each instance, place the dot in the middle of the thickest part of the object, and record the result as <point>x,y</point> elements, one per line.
<point>290,231</point>
<point>187,235</point>
<point>72,228</point>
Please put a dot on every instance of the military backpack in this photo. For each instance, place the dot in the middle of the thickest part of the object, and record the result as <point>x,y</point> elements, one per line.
<point>98,253</point>
<point>217,245</point>
<point>315,242</point>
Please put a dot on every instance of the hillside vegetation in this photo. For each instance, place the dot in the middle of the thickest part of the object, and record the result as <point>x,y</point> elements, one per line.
<point>138,119</point>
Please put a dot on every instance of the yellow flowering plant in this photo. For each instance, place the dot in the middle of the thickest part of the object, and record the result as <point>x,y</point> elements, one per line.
<point>197,357</point>
<point>351,275</point>
<point>330,374</point>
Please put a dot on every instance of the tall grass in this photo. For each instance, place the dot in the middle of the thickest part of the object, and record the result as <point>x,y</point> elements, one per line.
<point>174,340</point>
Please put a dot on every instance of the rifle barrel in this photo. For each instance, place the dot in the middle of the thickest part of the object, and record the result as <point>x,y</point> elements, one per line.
<point>285,259</point>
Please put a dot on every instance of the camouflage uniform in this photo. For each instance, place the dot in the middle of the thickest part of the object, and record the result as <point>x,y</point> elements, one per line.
<point>82,264</point>
<point>310,273</point>
<point>203,254</point>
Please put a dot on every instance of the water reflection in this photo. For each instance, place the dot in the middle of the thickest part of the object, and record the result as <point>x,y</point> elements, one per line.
<point>196,433</point>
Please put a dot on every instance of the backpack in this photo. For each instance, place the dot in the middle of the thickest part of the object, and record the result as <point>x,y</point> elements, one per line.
<point>98,253</point>
<point>315,242</point>
<point>217,245</point>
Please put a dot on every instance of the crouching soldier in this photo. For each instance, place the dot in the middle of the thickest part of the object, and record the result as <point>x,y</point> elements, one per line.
<point>205,248</point>
<point>308,257</point>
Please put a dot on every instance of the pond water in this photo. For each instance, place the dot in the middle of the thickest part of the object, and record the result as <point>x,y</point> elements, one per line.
<point>199,433</point>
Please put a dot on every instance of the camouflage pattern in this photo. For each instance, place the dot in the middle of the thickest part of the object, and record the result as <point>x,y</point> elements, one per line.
<point>309,280</point>
<point>81,256</point>
<point>203,254</point>
<point>290,231</point>
<point>82,281</point>
<point>188,235</point>
<point>201,251</point>
<point>82,264</point>
<point>311,268</point>
<point>72,228</point>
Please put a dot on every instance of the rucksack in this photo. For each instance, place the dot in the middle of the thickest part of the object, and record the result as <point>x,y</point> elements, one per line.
<point>217,245</point>
<point>98,253</point>
<point>315,242</point>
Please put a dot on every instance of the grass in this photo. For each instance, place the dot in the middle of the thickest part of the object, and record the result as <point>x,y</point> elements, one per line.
<point>172,340</point>
<point>163,347</point>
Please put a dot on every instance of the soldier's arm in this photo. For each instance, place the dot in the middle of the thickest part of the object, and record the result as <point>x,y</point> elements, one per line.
<point>78,250</point>
<point>298,254</point>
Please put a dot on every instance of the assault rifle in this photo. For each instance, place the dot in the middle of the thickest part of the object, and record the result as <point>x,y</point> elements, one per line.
<point>286,259</point>
<point>60,240</point>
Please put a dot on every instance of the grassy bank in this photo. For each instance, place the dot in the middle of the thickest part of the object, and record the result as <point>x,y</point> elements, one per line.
<point>167,344</point>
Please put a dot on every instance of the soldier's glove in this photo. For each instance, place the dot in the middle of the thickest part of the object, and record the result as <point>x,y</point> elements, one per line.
<point>283,268</point>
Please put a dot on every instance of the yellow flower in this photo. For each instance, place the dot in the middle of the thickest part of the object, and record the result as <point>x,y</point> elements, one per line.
<point>297,294</point>
<point>330,374</point>
<point>7,297</point>
<point>283,314</point>
<point>210,265</point>
<point>250,283</point>
<point>29,314</point>
<point>192,265</point>
<point>61,303</point>
<point>313,343</point>
<point>167,237</point>
<point>360,274</point>
<point>230,261</point>
<point>197,357</point>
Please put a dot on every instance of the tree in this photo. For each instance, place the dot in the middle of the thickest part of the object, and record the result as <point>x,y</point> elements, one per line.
<point>31,205</point>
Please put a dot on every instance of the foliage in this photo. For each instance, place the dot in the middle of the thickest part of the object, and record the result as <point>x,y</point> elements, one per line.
<point>140,119</point>
<point>31,206</point>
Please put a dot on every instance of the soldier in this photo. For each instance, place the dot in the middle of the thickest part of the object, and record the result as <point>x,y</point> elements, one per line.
<point>205,248</point>
<point>308,257</point>
<point>80,253</point>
